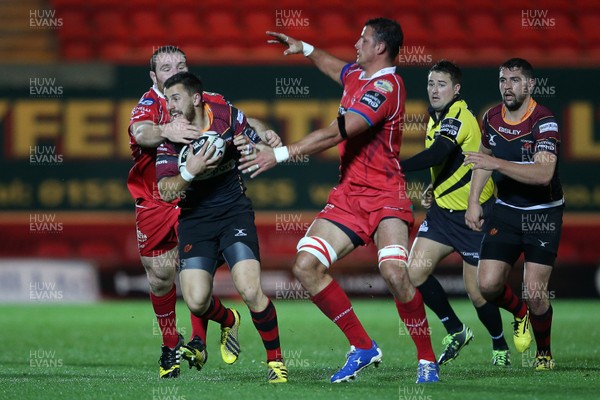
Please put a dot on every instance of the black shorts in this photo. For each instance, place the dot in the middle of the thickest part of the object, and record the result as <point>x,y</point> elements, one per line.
<point>448,227</point>
<point>511,231</point>
<point>205,243</point>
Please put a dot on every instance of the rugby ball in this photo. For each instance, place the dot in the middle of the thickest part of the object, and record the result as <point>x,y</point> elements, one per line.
<point>213,138</point>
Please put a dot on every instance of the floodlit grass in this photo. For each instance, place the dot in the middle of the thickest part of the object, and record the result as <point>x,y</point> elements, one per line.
<point>110,350</point>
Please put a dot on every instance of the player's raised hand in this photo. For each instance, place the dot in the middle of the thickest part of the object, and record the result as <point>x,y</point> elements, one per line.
<point>180,130</point>
<point>257,163</point>
<point>243,145</point>
<point>203,160</point>
<point>273,139</point>
<point>294,46</point>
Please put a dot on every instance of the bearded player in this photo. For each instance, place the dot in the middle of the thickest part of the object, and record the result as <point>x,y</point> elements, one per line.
<point>156,219</point>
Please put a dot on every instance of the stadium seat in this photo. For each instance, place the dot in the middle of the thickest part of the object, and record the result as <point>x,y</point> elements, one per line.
<point>255,24</point>
<point>448,31</point>
<point>471,7</point>
<point>75,26</point>
<point>110,25</point>
<point>485,31</point>
<point>335,31</point>
<point>444,7</point>
<point>184,29</point>
<point>413,28</point>
<point>147,29</point>
<point>222,28</point>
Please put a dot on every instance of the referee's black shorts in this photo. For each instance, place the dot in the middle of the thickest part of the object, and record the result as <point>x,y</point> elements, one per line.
<point>512,231</point>
<point>448,227</point>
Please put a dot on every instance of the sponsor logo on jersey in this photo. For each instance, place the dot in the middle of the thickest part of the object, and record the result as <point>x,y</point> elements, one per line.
<point>384,86</point>
<point>450,127</point>
<point>187,248</point>
<point>509,131</point>
<point>493,231</point>
<point>240,117</point>
<point>545,145</point>
<point>491,141</point>
<point>373,100</point>
<point>424,227</point>
<point>549,126</point>
<point>240,232</point>
<point>146,101</point>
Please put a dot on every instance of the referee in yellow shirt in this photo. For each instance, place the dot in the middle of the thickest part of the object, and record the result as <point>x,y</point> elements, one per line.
<point>451,130</point>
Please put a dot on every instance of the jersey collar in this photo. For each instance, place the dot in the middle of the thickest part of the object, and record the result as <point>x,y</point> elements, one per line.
<point>158,92</point>
<point>381,72</point>
<point>432,114</point>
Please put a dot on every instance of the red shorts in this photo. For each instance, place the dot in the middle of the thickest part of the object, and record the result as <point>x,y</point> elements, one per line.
<point>361,209</point>
<point>156,225</point>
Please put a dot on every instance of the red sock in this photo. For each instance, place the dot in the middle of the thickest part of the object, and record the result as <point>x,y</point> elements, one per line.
<point>334,303</point>
<point>542,325</point>
<point>164,309</point>
<point>510,302</point>
<point>199,326</point>
<point>413,315</point>
<point>266,324</point>
<point>218,313</point>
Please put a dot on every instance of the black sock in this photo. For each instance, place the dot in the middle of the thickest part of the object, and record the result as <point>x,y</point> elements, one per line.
<point>436,299</point>
<point>489,315</point>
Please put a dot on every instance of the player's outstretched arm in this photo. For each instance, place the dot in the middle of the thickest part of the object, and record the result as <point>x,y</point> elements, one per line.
<point>266,135</point>
<point>327,63</point>
<point>350,125</point>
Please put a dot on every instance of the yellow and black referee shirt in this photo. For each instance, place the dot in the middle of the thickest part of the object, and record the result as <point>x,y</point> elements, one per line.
<point>451,179</point>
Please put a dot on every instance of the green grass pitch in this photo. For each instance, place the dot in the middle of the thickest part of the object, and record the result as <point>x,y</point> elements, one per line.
<point>110,351</point>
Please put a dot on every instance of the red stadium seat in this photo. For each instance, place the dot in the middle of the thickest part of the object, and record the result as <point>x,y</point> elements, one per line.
<point>485,31</point>
<point>184,29</point>
<point>147,29</point>
<point>470,7</point>
<point>335,31</point>
<point>111,26</point>
<point>414,29</point>
<point>448,30</point>
<point>222,29</point>
<point>255,24</point>
<point>444,6</point>
<point>75,26</point>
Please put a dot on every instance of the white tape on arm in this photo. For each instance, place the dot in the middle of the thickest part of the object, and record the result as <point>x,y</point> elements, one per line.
<point>281,154</point>
<point>307,49</point>
<point>185,174</point>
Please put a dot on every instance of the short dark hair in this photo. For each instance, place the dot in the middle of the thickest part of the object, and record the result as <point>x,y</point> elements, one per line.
<point>190,82</point>
<point>388,32</point>
<point>449,68</point>
<point>519,63</point>
<point>164,50</point>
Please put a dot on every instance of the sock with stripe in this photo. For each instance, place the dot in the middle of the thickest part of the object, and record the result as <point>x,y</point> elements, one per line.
<point>413,315</point>
<point>489,315</point>
<point>164,309</point>
<point>334,303</point>
<point>266,324</point>
<point>542,326</point>
<point>218,313</point>
<point>510,302</point>
<point>436,299</point>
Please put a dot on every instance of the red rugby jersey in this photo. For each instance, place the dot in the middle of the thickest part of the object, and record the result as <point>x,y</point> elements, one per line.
<point>371,158</point>
<point>142,176</point>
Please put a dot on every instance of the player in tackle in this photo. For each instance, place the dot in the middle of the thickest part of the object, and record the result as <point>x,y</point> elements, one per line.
<point>216,223</point>
<point>370,203</point>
